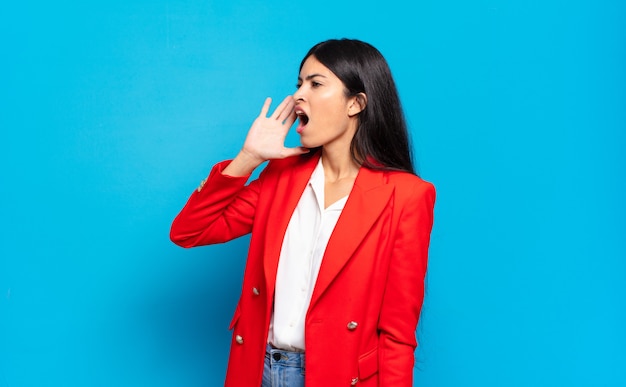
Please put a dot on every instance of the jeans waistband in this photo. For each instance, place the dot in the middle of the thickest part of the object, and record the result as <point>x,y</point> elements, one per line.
<point>284,357</point>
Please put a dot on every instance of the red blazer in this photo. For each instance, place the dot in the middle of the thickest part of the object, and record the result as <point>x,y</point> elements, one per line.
<point>360,325</point>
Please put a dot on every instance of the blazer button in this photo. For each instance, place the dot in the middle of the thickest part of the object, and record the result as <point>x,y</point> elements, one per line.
<point>354,381</point>
<point>239,339</point>
<point>352,325</point>
<point>255,291</point>
<point>202,184</point>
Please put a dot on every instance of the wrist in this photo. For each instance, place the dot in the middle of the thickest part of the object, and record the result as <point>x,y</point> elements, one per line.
<point>242,165</point>
<point>250,158</point>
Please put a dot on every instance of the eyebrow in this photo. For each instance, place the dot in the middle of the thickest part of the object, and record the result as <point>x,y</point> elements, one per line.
<point>309,77</point>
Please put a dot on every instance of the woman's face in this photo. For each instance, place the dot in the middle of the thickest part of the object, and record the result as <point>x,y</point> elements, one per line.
<point>327,117</point>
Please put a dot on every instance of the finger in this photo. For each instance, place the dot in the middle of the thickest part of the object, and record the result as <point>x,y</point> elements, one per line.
<point>266,107</point>
<point>291,118</point>
<point>287,104</point>
<point>300,150</point>
<point>288,111</point>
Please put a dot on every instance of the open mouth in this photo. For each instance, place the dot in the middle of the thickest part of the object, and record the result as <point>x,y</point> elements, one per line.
<point>303,118</point>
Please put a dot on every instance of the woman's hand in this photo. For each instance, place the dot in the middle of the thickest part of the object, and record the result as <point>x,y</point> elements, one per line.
<point>266,139</point>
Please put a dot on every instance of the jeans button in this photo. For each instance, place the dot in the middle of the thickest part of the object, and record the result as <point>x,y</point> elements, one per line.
<point>276,356</point>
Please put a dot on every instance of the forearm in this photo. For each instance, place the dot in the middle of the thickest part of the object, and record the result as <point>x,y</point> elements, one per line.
<point>220,210</point>
<point>404,292</point>
<point>242,165</point>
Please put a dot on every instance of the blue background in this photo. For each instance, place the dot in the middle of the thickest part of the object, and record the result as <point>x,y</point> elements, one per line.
<point>112,112</point>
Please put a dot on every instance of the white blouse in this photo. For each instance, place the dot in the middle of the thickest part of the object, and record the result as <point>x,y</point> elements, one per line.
<point>301,256</point>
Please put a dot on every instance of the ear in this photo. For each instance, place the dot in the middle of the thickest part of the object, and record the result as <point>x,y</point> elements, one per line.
<point>357,104</point>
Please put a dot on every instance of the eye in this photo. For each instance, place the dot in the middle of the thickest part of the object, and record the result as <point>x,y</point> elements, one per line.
<point>315,84</point>
<point>298,85</point>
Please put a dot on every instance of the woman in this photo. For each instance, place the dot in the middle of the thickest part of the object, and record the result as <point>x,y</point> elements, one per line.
<point>334,281</point>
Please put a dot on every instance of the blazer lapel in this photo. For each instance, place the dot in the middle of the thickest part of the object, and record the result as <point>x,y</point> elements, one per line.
<point>288,191</point>
<point>367,200</point>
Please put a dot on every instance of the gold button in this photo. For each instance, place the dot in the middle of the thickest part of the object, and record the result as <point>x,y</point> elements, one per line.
<point>202,184</point>
<point>255,291</point>
<point>239,339</point>
<point>352,325</point>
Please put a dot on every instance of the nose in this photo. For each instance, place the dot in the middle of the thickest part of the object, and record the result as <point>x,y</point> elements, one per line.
<point>298,96</point>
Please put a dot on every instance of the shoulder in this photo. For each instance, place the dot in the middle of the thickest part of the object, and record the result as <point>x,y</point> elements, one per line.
<point>293,161</point>
<point>290,164</point>
<point>408,186</point>
<point>405,180</point>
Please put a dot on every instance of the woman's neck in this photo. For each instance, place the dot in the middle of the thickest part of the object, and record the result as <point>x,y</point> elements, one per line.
<point>338,165</point>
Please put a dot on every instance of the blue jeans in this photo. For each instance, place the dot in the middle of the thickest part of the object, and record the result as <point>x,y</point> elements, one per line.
<point>283,368</point>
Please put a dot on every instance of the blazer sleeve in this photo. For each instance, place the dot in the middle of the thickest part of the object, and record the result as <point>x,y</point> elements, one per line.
<point>221,209</point>
<point>404,289</point>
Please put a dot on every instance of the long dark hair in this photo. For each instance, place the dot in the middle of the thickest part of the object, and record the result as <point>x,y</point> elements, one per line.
<point>381,140</point>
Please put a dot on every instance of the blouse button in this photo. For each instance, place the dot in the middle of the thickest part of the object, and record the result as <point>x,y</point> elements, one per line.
<point>354,381</point>
<point>352,325</point>
<point>239,339</point>
<point>255,291</point>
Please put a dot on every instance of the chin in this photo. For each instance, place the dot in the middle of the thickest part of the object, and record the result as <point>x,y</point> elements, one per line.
<point>309,144</point>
